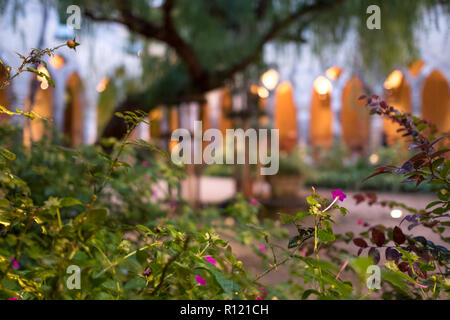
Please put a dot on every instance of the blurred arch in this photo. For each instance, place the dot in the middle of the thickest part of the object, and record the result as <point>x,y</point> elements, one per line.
<point>34,130</point>
<point>397,94</point>
<point>226,107</point>
<point>354,116</point>
<point>436,100</point>
<point>286,116</point>
<point>73,112</point>
<point>321,123</point>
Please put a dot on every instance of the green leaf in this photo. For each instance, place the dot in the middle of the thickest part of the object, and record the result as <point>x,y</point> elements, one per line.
<point>70,202</point>
<point>301,215</point>
<point>286,218</point>
<point>8,155</point>
<point>311,201</point>
<point>227,285</point>
<point>432,204</point>
<point>421,127</point>
<point>294,241</point>
<point>445,169</point>
<point>97,216</point>
<point>326,236</point>
<point>141,256</point>
<point>343,210</point>
<point>309,292</point>
<point>143,228</point>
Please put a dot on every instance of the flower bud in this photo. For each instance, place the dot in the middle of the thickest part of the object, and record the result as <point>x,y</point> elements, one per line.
<point>72,44</point>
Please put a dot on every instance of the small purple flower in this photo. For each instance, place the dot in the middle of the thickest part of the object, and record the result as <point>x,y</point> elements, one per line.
<point>154,192</point>
<point>147,272</point>
<point>15,264</point>
<point>144,163</point>
<point>210,260</point>
<point>200,280</point>
<point>254,202</point>
<point>262,290</point>
<point>172,204</point>
<point>259,298</point>
<point>262,248</point>
<point>338,194</point>
<point>13,298</point>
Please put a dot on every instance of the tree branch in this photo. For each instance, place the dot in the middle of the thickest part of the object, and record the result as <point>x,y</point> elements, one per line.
<point>166,33</point>
<point>273,31</point>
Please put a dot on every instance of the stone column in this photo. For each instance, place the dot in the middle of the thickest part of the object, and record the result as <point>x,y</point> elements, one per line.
<point>90,117</point>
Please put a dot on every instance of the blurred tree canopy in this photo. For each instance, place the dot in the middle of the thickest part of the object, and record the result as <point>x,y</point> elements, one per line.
<point>210,41</point>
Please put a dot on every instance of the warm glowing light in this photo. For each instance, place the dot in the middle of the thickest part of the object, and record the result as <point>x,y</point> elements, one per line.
<point>373,159</point>
<point>43,80</point>
<point>57,62</point>
<point>322,85</point>
<point>264,121</point>
<point>333,73</point>
<point>156,114</point>
<point>396,214</point>
<point>43,70</point>
<point>416,67</point>
<point>254,89</point>
<point>44,85</point>
<point>263,93</point>
<point>394,80</point>
<point>284,87</point>
<point>102,84</point>
<point>270,79</point>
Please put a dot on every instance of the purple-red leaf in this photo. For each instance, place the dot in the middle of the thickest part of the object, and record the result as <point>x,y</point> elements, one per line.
<point>398,236</point>
<point>392,254</point>
<point>378,237</point>
<point>360,242</point>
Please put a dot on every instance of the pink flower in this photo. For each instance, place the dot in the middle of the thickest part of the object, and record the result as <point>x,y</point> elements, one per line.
<point>154,192</point>
<point>147,272</point>
<point>360,222</point>
<point>418,285</point>
<point>303,252</point>
<point>262,290</point>
<point>338,194</point>
<point>14,298</point>
<point>259,298</point>
<point>200,280</point>
<point>210,260</point>
<point>15,264</point>
<point>254,202</point>
<point>144,163</point>
<point>263,249</point>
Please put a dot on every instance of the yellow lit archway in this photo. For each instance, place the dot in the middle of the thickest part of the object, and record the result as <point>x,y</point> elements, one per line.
<point>42,105</point>
<point>321,123</point>
<point>286,116</point>
<point>226,107</point>
<point>354,116</point>
<point>436,101</point>
<point>398,95</point>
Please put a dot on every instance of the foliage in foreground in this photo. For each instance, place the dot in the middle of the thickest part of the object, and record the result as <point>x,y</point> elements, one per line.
<point>132,239</point>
